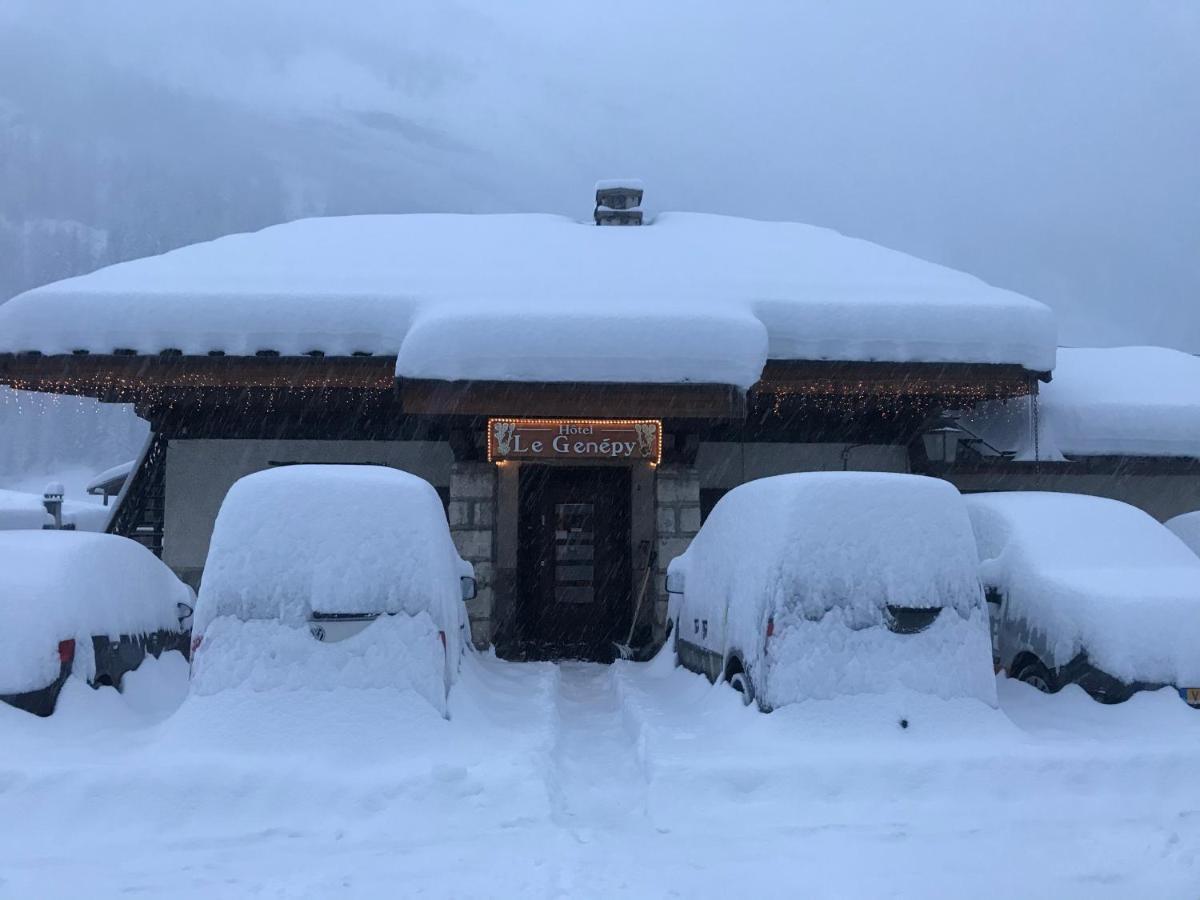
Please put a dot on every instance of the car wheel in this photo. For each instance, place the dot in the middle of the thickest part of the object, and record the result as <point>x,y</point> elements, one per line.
<point>741,683</point>
<point>1035,674</point>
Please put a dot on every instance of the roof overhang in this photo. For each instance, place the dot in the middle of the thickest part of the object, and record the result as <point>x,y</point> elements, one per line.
<point>132,378</point>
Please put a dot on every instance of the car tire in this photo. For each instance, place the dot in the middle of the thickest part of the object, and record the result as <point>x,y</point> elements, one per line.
<point>1035,674</point>
<point>741,683</point>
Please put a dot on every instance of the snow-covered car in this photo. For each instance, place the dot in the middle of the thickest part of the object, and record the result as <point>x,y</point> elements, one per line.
<point>89,604</point>
<point>821,584</point>
<point>1187,528</point>
<point>330,549</point>
<point>1089,591</point>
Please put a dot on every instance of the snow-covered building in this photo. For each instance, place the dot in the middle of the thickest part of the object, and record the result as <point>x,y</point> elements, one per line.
<point>580,396</point>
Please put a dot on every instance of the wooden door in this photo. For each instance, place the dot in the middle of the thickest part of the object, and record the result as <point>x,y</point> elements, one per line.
<point>573,561</point>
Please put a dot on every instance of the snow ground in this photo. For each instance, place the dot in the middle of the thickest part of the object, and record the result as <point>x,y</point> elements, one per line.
<point>577,780</point>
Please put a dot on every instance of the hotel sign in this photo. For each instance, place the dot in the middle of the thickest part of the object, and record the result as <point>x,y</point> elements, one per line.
<point>574,439</point>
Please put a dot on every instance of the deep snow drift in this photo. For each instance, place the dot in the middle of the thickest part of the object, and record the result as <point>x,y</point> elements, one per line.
<point>690,297</point>
<point>636,780</point>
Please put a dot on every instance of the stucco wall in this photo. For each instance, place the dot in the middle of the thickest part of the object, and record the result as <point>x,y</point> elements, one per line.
<point>200,472</point>
<point>1163,496</point>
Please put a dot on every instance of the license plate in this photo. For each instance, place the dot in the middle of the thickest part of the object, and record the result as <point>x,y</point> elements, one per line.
<point>1191,696</point>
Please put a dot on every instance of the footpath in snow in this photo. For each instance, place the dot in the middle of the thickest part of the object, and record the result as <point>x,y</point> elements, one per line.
<point>632,780</point>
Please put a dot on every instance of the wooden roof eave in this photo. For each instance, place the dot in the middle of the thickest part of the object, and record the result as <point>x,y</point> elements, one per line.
<point>134,378</point>
<point>142,378</point>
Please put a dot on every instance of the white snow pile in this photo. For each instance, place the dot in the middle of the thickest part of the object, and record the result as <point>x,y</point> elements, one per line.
<point>1119,401</point>
<point>690,298</point>
<point>394,652</point>
<point>333,539</point>
<point>824,554</point>
<point>62,585</point>
<point>1187,528</point>
<point>1088,574</point>
<point>19,510</point>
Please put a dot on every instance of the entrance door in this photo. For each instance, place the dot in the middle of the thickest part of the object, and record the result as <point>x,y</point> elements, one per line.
<point>573,562</point>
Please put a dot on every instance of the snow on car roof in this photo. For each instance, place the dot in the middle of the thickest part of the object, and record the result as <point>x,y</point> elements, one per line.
<point>690,298</point>
<point>59,585</point>
<point>1094,574</point>
<point>1115,401</point>
<point>847,538</point>
<point>1187,528</point>
<point>332,539</point>
<point>1059,531</point>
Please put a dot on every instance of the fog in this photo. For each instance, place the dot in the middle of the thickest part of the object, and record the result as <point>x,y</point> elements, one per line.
<point>1052,148</point>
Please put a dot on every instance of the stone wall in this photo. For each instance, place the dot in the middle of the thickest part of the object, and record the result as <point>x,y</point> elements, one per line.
<point>472,514</point>
<point>677,519</point>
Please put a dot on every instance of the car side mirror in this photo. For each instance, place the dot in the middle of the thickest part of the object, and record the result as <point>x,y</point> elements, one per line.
<point>469,588</point>
<point>183,611</point>
<point>675,582</point>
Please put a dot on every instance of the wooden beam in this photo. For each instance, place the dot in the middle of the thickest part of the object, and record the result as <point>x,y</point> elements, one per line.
<point>543,400</point>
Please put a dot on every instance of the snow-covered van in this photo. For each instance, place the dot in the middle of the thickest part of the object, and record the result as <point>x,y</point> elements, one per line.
<point>1090,591</point>
<point>83,603</point>
<point>327,550</point>
<point>1187,528</point>
<point>821,584</point>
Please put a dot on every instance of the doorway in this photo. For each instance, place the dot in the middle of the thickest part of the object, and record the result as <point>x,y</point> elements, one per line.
<point>573,562</point>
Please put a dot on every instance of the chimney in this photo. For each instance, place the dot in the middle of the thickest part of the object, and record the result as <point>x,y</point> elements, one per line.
<point>618,201</point>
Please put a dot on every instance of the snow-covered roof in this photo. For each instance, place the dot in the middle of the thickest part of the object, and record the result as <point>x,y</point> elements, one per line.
<point>690,298</point>
<point>110,477</point>
<point>1119,401</point>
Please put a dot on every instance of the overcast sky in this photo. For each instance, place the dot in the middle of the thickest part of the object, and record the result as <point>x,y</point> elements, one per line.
<point>1048,147</point>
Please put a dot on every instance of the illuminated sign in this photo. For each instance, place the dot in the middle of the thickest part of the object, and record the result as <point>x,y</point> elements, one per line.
<point>623,440</point>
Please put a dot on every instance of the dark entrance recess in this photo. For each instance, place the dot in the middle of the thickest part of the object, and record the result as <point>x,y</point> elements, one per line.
<point>573,562</point>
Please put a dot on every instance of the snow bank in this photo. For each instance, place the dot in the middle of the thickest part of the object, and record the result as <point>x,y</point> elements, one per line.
<point>393,652</point>
<point>1120,401</point>
<point>1187,529</point>
<point>416,284</point>
<point>335,539</point>
<point>21,510</point>
<point>824,554</point>
<point>1091,574</point>
<point>59,585</point>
